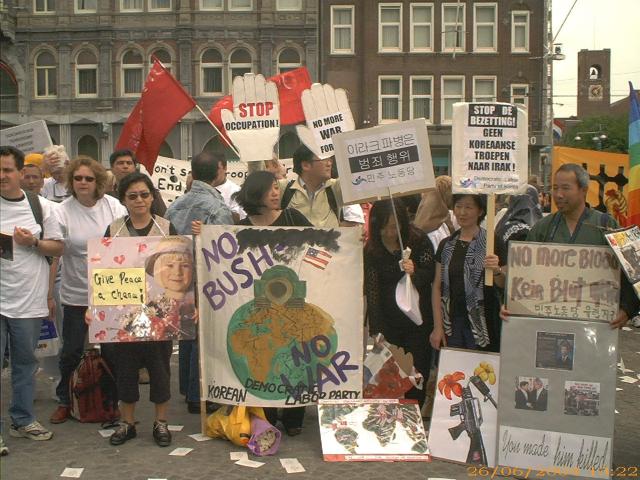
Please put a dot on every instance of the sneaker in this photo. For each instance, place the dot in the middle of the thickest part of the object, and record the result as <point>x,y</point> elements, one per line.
<point>124,432</point>
<point>61,414</point>
<point>33,431</point>
<point>635,321</point>
<point>3,448</point>
<point>161,433</point>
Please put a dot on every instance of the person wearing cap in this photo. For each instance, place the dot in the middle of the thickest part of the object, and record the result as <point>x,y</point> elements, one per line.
<point>136,193</point>
<point>32,175</point>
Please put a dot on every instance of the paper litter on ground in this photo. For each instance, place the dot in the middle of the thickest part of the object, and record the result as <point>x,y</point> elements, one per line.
<point>238,456</point>
<point>106,432</point>
<point>200,437</point>
<point>72,472</point>
<point>292,465</point>
<point>249,463</point>
<point>628,379</point>
<point>181,452</point>
<point>175,428</point>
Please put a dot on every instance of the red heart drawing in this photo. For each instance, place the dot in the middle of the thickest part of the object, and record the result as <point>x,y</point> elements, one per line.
<point>96,258</point>
<point>142,247</point>
<point>101,335</point>
<point>101,315</point>
<point>106,241</point>
<point>119,259</point>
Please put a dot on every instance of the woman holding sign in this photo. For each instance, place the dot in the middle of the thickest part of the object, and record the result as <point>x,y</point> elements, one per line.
<point>464,311</point>
<point>384,267</point>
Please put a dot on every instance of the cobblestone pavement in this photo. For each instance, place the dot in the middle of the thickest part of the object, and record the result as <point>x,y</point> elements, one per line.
<point>80,445</point>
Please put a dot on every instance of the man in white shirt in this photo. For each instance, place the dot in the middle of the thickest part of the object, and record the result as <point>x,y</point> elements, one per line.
<point>24,285</point>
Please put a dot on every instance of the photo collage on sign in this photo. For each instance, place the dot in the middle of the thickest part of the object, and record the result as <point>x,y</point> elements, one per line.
<point>532,393</point>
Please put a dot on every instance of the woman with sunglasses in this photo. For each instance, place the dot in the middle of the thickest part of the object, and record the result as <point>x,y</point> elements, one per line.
<point>136,192</point>
<point>82,216</point>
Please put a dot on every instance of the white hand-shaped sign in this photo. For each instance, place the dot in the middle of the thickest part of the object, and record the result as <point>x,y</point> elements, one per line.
<point>327,112</point>
<point>254,124</point>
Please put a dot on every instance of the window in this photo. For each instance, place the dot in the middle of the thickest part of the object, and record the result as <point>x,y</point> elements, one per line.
<point>44,6</point>
<point>421,98</point>
<point>46,76</point>
<point>239,63</point>
<point>86,6</point>
<point>390,27</point>
<point>240,4</point>
<point>421,27</point>
<point>390,99</point>
<point>8,89</point>
<point>159,5</point>
<point>520,94</point>
<point>211,5</point>
<point>130,5</point>
<point>342,29</point>
<point>211,72</point>
<point>485,33</point>
<point>484,89</point>
<point>88,145</point>
<point>520,32</point>
<point>289,5</point>
<point>453,27</point>
<point>288,60</point>
<point>86,74</point>
<point>164,57</point>
<point>131,73</point>
<point>452,92</point>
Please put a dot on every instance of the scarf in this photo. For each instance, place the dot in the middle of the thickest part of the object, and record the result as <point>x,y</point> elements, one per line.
<point>473,285</point>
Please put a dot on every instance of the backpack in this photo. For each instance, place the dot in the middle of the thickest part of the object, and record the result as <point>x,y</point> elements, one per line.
<point>331,198</point>
<point>36,209</point>
<point>92,390</point>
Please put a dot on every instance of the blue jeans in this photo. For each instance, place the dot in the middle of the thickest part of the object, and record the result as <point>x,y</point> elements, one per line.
<point>22,335</point>
<point>461,334</point>
<point>74,332</point>
<point>189,370</point>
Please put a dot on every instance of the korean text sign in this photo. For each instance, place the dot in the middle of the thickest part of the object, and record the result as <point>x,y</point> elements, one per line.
<point>374,161</point>
<point>489,148</point>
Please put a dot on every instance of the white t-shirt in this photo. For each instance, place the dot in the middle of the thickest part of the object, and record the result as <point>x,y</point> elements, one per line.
<point>54,191</point>
<point>24,281</point>
<point>227,189</point>
<point>79,224</point>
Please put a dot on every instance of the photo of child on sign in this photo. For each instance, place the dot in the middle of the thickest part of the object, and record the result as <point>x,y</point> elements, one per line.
<point>141,289</point>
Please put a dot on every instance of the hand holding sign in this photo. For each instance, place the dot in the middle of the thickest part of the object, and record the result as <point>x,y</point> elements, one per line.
<point>254,124</point>
<point>327,112</point>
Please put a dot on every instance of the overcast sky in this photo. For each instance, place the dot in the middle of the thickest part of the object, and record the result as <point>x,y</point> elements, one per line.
<point>595,25</point>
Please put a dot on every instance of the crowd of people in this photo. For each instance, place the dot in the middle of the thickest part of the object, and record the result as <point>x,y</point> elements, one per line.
<point>52,205</point>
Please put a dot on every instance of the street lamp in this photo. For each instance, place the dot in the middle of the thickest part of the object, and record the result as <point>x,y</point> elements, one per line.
<point>598,136</point>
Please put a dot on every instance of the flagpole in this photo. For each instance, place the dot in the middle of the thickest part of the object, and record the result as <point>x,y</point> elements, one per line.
<point>216,129</point>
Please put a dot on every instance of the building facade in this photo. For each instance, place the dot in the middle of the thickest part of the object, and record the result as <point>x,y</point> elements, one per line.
<point>81,64</point>
<point>409,59</point>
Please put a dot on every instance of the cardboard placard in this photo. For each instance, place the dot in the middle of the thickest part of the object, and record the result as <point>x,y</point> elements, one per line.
<point>465,417</point>
<point>392,158</point>
<point>141,289</point>
<point>32,137</point>
<point>280,315</point>
<point>562,281</point>
<point>557,391</point>
<point>489,148</point>
<point>372,431</point>
<point>170,177</point>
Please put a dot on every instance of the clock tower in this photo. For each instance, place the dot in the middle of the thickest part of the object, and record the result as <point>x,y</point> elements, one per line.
<point>594,82</point>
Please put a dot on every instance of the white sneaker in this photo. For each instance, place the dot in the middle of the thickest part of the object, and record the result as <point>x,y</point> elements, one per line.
<point>635,321</point>
<point>3,448</point>
<point>33,431</point>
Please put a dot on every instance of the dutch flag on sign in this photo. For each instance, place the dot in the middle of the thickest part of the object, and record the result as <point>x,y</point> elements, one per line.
<point>317,258</point>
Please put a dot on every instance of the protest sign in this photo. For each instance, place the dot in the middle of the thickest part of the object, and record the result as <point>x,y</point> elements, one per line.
<point>562,281</point>
<point>237,170</point>
<point>389,372</point>
<point>32,137</point>
<point>327,112</point>
<point>170,177</point>
<point>375,162</point>
<point>280,315</point>
<point>608,179</point>
<point>254,124</point>
<point>141,289</point>
<point>489,148</point>
<point>372,431</point>
<point>465,417</point>
<point>557,395</point>
<point>626,246</point>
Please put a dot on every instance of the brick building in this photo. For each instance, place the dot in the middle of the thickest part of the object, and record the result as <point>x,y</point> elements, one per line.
<point>81,64</point>
<point>408,59</point>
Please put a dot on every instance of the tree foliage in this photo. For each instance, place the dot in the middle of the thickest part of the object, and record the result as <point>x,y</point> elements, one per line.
<point>615,128</point>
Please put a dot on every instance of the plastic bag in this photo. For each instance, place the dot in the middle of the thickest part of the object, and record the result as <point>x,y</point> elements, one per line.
<point>49,342</point>
<point>408,299</point>
<point>233,423</point>
<point>265,438</point>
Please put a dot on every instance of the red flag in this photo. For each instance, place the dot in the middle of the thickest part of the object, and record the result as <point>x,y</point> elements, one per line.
<point>162,104</point>
<point>290,85</point>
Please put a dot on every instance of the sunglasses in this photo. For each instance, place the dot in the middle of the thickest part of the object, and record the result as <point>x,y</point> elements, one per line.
<point>79,178</point>
<point>135,195</point>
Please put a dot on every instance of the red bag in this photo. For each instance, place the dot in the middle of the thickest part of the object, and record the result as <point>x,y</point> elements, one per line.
<point>92,390</point>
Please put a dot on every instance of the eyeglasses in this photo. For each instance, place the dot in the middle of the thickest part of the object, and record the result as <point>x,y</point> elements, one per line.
<point>79,178</point>
<point>135,195</point>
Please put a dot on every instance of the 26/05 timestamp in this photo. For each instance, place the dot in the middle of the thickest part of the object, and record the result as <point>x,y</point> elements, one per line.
<point>492,472</point>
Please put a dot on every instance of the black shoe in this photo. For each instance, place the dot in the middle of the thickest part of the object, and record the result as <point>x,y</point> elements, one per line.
<point>293,431</point>
<point>193,407</point>
<point>124,432</point>
<point>161,434</point>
